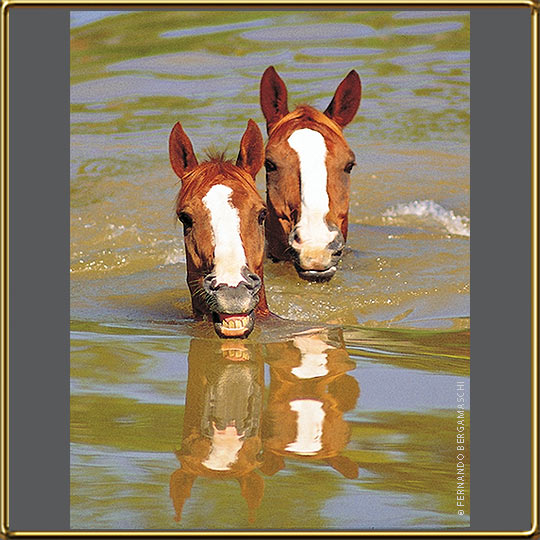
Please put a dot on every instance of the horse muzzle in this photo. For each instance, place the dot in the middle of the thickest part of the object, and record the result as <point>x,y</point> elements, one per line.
<point>313,262</point>
<point>233,307</point>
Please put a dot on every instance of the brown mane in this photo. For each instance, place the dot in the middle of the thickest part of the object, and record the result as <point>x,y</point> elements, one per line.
<point>306,114</point>
<point>210,171</point>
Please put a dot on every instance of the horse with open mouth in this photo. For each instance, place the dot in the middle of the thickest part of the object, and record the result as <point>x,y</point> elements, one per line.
<point>308,164</point>
<point>223,218</point>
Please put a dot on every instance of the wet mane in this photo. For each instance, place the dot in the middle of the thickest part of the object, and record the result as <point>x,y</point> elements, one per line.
<point>215,165</point>
<point>212,155</point>
<point>306,114</point>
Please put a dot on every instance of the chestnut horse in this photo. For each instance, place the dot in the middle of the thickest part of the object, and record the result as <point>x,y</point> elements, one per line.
<point>223,218</point>
<point>308,165</point>
<point>309,393</point>
<point>221,436</point>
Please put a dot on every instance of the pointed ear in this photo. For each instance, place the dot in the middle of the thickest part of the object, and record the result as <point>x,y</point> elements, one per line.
<point>346,100</point>
<point>181,151</point>
<point>251,155</point>
<point>273,96</point>
<point>180,489</point>
<point>344,465</point>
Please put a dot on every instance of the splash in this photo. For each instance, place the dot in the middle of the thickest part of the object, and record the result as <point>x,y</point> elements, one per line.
<point>459,225</point>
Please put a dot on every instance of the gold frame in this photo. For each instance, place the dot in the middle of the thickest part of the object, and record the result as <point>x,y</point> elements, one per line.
<point>533,5</point>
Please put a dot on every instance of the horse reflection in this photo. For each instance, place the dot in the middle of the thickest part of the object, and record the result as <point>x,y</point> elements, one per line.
<point>309,392</point>
<point>221,435</point>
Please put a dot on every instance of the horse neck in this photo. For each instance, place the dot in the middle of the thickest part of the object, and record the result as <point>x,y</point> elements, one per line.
<point>262,310</point>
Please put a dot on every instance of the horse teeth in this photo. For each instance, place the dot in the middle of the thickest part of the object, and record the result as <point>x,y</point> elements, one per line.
<point>235,323</point>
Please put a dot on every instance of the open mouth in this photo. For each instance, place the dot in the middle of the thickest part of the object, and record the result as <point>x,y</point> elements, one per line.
<point>235,352</point>
<point>233,325</point>
<point>316,275</point>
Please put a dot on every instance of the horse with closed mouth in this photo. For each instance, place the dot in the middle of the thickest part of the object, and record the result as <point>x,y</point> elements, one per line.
<point>308,164</point>
<point>223,218</point>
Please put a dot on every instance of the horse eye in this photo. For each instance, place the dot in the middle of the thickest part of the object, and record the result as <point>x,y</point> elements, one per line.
<point>262,216</point>
<point>269,165</point>
<point>349,167</point>
<point>186,220</point>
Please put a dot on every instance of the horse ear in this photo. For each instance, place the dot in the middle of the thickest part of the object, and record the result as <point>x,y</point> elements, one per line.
<point>251,155</point>
<point>344,465</point>
<point>273,96</point>
<point>346,100</point>
<point>252,489</point>
<point>180,489</point>
<point>181,151</point>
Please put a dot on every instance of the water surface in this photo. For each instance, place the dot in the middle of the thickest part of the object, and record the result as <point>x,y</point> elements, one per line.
<point>370,361</point>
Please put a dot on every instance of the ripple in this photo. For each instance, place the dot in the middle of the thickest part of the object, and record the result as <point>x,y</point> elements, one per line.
<point>215,29</point>
<point>429,14</point>
<point>199,63</point>
<point>311,32</point>
<point>424,29</point>
<point>340,51</point>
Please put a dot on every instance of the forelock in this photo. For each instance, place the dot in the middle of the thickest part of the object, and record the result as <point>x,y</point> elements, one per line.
<point>304,116</point>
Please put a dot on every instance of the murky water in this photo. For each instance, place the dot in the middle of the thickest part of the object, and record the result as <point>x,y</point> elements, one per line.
<point>344,415</point>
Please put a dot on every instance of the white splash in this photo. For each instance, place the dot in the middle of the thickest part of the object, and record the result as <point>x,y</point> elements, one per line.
<point>459,225</point>
<point>174,255</point>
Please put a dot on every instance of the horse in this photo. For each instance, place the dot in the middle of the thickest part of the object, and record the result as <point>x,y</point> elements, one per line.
<point>308,165</point>
<point>223,219</point>
<point>221,436</point>
<point>310,390</point>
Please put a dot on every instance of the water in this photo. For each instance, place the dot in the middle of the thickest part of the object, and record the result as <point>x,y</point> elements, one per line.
<point>387,338</point>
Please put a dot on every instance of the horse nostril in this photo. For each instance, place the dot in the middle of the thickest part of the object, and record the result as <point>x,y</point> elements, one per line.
<point>294,238</point>
<point>337,245</point>
<point>210,283</point>
<point>253,282</point>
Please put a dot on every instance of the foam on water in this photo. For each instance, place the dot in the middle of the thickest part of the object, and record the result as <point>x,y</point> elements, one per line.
<point>459,225</point>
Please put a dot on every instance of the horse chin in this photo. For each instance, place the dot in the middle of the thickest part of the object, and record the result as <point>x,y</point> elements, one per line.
<point>229,325</point>
<point>316,275</point>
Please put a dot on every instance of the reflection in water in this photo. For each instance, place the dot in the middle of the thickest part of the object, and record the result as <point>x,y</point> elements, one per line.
<point>304,434</point>
<point>402,294</point>
<point>221,435</point>
<point>309,392</point>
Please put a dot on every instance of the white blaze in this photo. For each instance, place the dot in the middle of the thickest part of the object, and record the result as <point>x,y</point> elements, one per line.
<point>229,255</point>
<point>313,358</point>
<point>225,447</point>
<point>311,150</point>
<point>309,426</point>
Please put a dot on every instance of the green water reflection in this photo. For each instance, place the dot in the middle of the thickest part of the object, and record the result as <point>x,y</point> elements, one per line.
<point>262,434</point>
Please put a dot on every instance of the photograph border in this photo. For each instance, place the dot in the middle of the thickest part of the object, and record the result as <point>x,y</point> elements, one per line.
<point>533,5</point>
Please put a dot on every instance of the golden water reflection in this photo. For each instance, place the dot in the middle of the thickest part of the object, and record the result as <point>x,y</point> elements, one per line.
<point>264,423</point>
<point>226,434</point>
<point>221,434</point>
